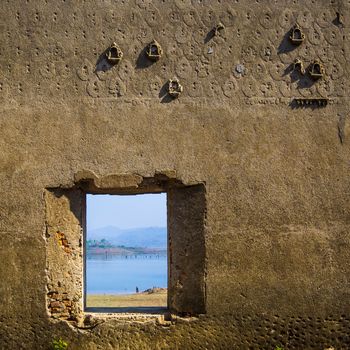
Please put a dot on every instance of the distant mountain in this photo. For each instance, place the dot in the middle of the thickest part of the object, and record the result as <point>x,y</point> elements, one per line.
<point>151,237</point>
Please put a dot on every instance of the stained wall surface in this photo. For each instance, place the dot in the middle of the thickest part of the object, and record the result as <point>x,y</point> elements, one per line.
<point>276,173</point>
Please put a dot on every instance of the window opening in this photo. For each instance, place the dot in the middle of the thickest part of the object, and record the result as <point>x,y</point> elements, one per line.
<point>126,258</point>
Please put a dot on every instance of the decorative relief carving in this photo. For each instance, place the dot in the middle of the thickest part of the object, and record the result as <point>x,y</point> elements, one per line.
<point>213,88</point>
<point>305,89</point>
<point>184,68</point>
<point>143,4</point>
<point>191,18</point>
<point>47,71</point>
<point>165,68</point>
<point>152,16</point>
<point>228,16</point>
<point>249,53</point>
<point>325,54</point>
<point>248,17</point>
<point>304,19</point>
<point>324,18</point>
<point>234,63</point>
<point>116,87</point>
<point>325,88</point>
<point>230,87</point>
<point>195,89</point>
<point>209,17</point>
<point>275,34</point>
<point>182,35</point>
<point>257,69</point>
<point>183,4</point>
<point>133,17</point>
<point>64,70</point>
<point>340,55</point>
<point>268,88</point>
<point>307,52</point>
<point>333,36</point>
<point>268,52</point>
<point>267,19</point>
<point>288,57</point>
<point>173,50</point>
<point>286,89</point>
<point>203,70</point>
<point>85,70</point>
<point>103,74</point>
<point>315,35</point>
<point>198,35</point>
<point>94,87</point>
<point>335,70</point>
<point>155,86</point>
<point>341,88</point>
<point>192,51</point>
<point>174,16</point>
<point>125,70</point>
<point>311,102</point>
<point>286,19</point>
<point>249,87</point>
<point>277,70</point>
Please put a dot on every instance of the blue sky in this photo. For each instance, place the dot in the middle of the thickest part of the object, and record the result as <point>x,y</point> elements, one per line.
<point>143,210</point>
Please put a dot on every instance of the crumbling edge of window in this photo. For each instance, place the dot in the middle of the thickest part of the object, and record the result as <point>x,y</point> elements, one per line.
<point>64,226</point>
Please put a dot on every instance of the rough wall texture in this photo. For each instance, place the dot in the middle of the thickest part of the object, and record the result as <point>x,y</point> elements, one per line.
<point>277,240</point>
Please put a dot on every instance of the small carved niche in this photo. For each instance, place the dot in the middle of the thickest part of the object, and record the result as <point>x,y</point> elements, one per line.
<point>218,28</point>
<point>114,54</point>
<point>299,66</point>
<point>316,70</point>
<point>174,87</point>
<point>296,35</point>
<point>154,51</point>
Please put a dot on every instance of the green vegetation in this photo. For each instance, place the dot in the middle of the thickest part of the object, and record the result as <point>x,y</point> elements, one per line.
<point>59,344</point>
<point>279,348</point>
<point>152,237</point>
<point>103,243</point>
<point>103,246</point>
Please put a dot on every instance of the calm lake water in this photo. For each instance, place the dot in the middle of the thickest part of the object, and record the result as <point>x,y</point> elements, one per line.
<point>120,275</point>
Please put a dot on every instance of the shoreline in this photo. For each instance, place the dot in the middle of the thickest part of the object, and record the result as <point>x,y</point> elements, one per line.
<point>149,298</point>
<point>124,251</point>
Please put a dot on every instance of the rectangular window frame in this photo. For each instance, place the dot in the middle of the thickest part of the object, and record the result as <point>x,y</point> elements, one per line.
<point>65,224</point>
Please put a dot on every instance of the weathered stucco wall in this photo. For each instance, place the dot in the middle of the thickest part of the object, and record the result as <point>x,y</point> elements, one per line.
<point>276,176</point>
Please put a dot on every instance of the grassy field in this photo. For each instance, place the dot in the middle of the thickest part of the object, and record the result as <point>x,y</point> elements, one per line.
<point>158,299</point>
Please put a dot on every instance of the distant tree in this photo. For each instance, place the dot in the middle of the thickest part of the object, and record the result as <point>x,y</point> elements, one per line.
<point>103,243</point>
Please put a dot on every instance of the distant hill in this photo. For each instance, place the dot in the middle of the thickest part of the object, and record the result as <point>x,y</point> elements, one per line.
<point>152,237</point>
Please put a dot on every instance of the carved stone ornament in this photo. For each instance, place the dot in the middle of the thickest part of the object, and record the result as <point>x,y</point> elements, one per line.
<point>299,66</point>
<point>316,70</point>
<point>218,28</point>
<point>154,51</point>
<point>311,102</point>
<point>174,87</point>
<point>114,54</point>
<point>296,35</point>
